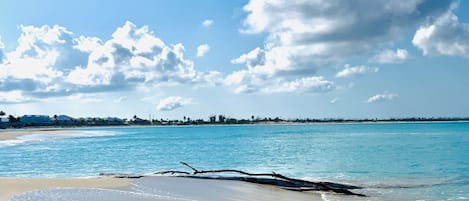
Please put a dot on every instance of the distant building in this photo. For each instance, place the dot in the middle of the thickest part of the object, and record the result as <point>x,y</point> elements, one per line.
<point>113,121</point>
<point>231,121</point>
<point>4,122</point>
<point>221,119</point>
<point>139,121</point>
<point>64,120</point>
<point>35,120</point>
<point>212,119</point>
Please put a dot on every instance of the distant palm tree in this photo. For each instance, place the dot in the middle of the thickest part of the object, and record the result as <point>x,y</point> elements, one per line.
<point>55,119</point>
<point>12,119</point>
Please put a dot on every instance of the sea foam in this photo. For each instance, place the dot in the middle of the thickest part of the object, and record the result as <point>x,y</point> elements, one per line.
<point>40,137</point>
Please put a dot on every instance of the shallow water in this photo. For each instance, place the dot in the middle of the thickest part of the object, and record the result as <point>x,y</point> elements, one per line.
<point>404,161</point>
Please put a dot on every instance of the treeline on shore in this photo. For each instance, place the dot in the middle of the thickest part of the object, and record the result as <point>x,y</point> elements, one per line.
<point>10,121</point>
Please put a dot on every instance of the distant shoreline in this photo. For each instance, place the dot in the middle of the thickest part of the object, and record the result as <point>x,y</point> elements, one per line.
<point>65,121</point>
<point>17,130</point>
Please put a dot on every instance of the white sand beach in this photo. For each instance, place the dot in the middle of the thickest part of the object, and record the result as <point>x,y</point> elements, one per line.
<point>12,186</point>
<point>10,134</point>
<point>146,188</point>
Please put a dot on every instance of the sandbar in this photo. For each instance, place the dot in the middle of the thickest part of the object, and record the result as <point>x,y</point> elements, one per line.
<point>12,186</point>
<point>11,134</point>
<point>154,188</point>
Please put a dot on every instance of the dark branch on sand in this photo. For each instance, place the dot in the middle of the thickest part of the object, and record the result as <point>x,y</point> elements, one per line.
<point>279,180</point>
<point>172,172</point>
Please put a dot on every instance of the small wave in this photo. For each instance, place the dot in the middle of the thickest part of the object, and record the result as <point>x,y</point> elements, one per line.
<point>326,196</point>
<point>40,137</point>
<point>396,182</point>
<point>409,183</point>
<point>90,194</point>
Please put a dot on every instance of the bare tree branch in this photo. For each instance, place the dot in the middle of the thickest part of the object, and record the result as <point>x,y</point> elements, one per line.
<point>278,180</point>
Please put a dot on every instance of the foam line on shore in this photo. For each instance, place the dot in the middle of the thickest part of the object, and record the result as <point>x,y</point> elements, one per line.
<point>33,136</point>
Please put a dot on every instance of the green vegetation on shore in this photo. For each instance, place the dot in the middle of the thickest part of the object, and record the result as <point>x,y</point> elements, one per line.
<point>66,121</point>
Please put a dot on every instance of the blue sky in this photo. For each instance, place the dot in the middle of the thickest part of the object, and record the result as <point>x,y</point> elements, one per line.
<point>290,59</point>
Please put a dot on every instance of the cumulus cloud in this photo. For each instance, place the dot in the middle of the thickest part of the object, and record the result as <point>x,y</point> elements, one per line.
<point>389,56</point>
<point>172,102</point>
<point>302,85</point>
<point>304,36</point>
<point>134,56</point>
<point>382,97</point>
<point>444,36</point>
<point>12,97</point>
<point>253,58</point>
<point>248,82</point>
<point>207,23</point>
<point>87,44</point>
<point>37,65</point>
<point>267,70</point>
<point>202,50</point>
<point>350,71</point>
<point>53,61</point>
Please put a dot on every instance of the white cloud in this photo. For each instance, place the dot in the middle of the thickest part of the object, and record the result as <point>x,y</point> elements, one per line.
<point>37,51</point>
<point>382,97</point>
<point>1,43</point>
<point>248,82</point>
<point>304,36</point>
<point>12,97</point>
<point>85,98</point>
<point>134,56</point>
<point>37,64</point>
<point>445,36</point>
<point>334,100</point>
<point>253,58</point>
<point>202,50</point>
<point>1,50</point>
<point>207,23</point>
<point>172,102</point>
<point>271,68</point>
<point>302,85</point>
<point>390,56</point>
<point>350,71</point>
<point>87,44</point>
<point>120,99</point>
<point>53,61</point>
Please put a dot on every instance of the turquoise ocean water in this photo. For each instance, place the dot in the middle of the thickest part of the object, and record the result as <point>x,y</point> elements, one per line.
<point>393,161</point>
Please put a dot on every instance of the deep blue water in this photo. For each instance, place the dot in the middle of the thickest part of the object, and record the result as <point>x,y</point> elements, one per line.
<point>412,160</point>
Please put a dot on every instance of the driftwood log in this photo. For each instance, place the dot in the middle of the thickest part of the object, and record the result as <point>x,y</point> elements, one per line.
<point>273,178</point>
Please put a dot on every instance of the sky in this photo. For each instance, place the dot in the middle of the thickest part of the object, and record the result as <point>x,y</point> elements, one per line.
<point>267,58</point>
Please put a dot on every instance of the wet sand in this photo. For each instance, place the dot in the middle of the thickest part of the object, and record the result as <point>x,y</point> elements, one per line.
<point>12,186</point>
<point>11,134</point>
<point>155,188</point>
